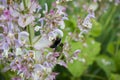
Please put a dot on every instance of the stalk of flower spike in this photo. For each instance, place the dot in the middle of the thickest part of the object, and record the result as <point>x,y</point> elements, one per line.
<point>30,37</point>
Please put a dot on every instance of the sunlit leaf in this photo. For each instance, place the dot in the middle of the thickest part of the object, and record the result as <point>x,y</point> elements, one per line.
<point>87,56</point>
<point>106,63</point>
<point>96,29</point>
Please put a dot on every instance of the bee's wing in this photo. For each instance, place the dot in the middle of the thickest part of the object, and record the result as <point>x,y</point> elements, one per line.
<point>42,43</point>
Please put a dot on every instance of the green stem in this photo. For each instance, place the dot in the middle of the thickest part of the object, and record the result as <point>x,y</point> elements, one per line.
<point>30,38</point>
<point>24,3</point>
<point>28,27</point>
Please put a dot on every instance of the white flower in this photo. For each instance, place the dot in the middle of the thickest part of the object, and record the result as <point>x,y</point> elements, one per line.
<point>62,24</point>
<point>37,28</point>
<point>19,51</point>
<point>2,17</point>
<point>25,20</point>
<point>22,6</point>
<point>1,7</point>
<point>35,76</point>
<point>52,36</point>
<point>60,10</point>
<point>87,23</point>
<point>58,32</point>
<point>5,53</point>
<point>46,8</point>
<point>93,6</point>
<point>13,12</point>
<point>23,37</point>
<point>32,6</point>
<point>10,35</point>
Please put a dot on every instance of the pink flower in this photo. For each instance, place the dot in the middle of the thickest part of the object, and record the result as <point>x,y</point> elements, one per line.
<point>7,14</point>
<point>25,20</point>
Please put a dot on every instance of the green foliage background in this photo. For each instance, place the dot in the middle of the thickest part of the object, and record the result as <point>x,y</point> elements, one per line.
<point>102,57</point>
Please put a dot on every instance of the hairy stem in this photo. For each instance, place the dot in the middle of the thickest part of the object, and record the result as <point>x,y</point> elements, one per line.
<point>24,3</point>
<point>30,36</point>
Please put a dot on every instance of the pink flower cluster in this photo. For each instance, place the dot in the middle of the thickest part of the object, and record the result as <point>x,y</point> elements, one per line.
<point>33,56</point>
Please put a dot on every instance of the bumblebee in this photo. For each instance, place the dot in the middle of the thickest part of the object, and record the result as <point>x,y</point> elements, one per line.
<point>57,45</point>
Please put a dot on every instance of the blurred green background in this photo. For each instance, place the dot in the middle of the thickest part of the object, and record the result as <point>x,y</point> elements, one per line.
<point>102,55</point>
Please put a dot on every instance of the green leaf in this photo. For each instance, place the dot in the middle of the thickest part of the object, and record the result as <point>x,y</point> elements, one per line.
<point>110,48</point>
<point>106,63</point>
<point>114,77</point>
<point>70,24</point>
<point>87,56</point>
<point>96,29</point>
<point>76,68</point>
<point>117,60</point>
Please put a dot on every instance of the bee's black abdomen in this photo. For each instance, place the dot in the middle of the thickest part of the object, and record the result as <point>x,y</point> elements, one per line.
<point>56,43</point>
